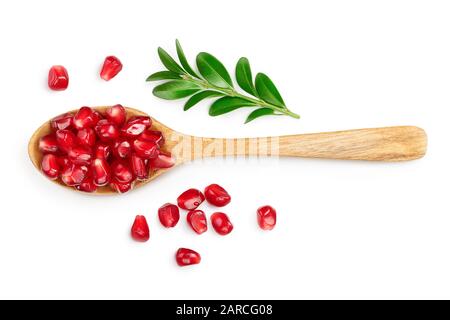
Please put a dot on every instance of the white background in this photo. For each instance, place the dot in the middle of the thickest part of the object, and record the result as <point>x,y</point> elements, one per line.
<point>345,229</point>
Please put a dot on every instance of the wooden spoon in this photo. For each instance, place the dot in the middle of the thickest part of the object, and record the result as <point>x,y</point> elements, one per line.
<point>377,144</point>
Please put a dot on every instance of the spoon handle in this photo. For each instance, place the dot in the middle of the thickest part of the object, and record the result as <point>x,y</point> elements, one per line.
<point>376,144</point>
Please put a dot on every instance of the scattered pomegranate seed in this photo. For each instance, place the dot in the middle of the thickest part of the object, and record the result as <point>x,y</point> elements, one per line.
<point>50,166</point>
<point>106,130</point>
<point>85,118</point>
<point>221,223</point>
<point>197,221</point>
<point>48,144</point>
<point>80,155</point>
<point>58,78</point>
<point>101,172</point>
<point>139,167</point>
<point>102,151</point>
<point>186,257</point>
<point>73,174</point>
<point>62,122</point>
<point>111,67</point>
<point>86,137</point>
<point>139,230</point>
<point>87,185</point>
<point>153,135</point>
<point>190,199</point>
<point>267,217</point>
<point>121,172</point>
<point>65,139</point>
<point>122,148</point>
<point>163,160</point>
<point>136,125</point>
<point>216,195</point>
<point>121,187</point>
<point>169,214</point>
<point>145,149</point>
<point>116,114</point>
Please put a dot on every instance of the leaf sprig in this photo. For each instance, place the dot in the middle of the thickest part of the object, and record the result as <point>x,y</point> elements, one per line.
<point>213,81</point>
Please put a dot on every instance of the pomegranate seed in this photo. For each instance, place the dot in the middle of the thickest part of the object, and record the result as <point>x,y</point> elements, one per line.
<point>74,174</point>
<point>186,257</point>
<point>139,167</point>
<point>87,185</point>
<point>106,130</point>
<point>50,166</point>
<point>111,67</point>
<point>58,79</point>
<point>136,125</point>
<point>48,144</point>
<point>139,230</point>
<point>86,137</point>
<point>197,220</point>
<point>121,187</point>
<point>116,114</point>
<point>145,149</point>
<point>216,195</point>
<point>221,223</point>
<point>121,172</point>
<point>152,135</point>
<point>267,217</point>
<point>64,162</point>
<point>162,161</point>
<point>122,148</point>
<point>80,155</point>
<point>85,118</point>
<point>65,139</point>
<point>101,172</point>
<point>62,122</point>
<point>190,199</point>
<point>169,214</point>
<point>102,151</point>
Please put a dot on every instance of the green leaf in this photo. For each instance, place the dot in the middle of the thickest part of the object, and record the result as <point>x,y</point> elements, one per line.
<point>196,98</point>
<point>175,89</point>
<point>259,113</point>
<point>213,70</point>
<point>228,104</point>
<point>169,62</point>
<point>163,75</point>
<point>267,90</point>
<point>184,61</point>
<point>244,76</point>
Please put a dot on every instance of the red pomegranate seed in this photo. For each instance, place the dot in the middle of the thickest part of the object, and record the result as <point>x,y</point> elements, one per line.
<point>122,148</point>
<point>267,217</point>
<point>101,172</point>
<point>111,67</point>
<point>221,223</point>
<point>80,155</point>
<point>121,187</point>
<point>64,161</point>
<point>121,172</point>
<point>50,166</point>
<point>197,221</point>
<point>145,149</point>
<point>74,174</point>
<point>65,139</point>
<point>61,122</point>
<point>216,195</point>
<point>190,199</point>
<point>106,130</point>
<point>162,161</point>
<point>169,214</point>
<point>58,78</point>
<point>102,151</point>
<point>116,114</point>
<point>85,118</point>
<point>139,230</point>
<point>87,185</point>
<point>186,257</point>
<point>153,135</point>
<point>48,144</point>
<point>136,125</point>
<point>86,137</point>
<point>139,167</point>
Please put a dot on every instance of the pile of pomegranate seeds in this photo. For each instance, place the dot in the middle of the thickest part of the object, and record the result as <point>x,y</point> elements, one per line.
<point>88,149</point>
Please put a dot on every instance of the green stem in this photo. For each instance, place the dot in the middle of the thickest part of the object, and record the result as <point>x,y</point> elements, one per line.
<point>233,93</point>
